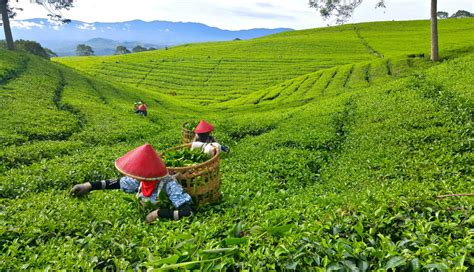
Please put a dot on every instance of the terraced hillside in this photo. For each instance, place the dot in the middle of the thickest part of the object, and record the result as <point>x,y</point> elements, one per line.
<point>338,151</point>
<point>213,72</point>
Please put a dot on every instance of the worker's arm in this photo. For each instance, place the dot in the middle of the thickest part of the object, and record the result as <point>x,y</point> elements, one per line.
<point>108,184</point>
<point>127,184</point>
<point>85,188</point>
<point>184,211</point>
<point>178,197</point>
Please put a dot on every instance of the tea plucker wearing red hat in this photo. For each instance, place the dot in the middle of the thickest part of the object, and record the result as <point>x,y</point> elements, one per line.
<point>141,108</point>
<point>204,141</point>
<point>145,174</point>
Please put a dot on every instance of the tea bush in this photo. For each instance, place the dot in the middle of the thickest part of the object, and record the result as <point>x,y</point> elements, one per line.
<point>337,154</point>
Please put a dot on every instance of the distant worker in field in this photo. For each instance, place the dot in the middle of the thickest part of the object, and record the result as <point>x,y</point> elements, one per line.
<point>205,141</point>
<point>136,104</point>
<point>140,108</point>
<point>146,175</point>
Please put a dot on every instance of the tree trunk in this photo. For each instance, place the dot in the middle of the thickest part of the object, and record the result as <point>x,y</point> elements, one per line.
<point>6,25</point>
<point>434,31</point>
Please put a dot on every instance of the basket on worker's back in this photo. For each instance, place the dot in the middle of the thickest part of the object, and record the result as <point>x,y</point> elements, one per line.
<point>187,134</point>
<point>201,181</point>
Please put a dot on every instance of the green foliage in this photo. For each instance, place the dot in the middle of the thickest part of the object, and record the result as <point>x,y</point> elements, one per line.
<point>442,15</point>
<point>84,50</point>
<point>451,33</point>
<point>208,73</point>
<point>342,10</point>
<point>337,155</point>
<point>462,14</point>
<point>31,47</point>
<point>183,157</point>
<point>191,125</point>
<point>139,48</point>
<point>11,65</point>
<point>120,50</point>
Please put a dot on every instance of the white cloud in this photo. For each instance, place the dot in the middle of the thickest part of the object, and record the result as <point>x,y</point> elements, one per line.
<point>87,27</point>
<point>242,14</point>
<point>24,25</point>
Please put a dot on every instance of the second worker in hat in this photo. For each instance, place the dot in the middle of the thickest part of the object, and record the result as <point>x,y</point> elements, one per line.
<point>205,141</point>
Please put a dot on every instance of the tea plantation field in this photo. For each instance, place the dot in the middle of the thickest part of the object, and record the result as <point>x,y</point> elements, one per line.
<point>215,72</point>
<point>341,140</point>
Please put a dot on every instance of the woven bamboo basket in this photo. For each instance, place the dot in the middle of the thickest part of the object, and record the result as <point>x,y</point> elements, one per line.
<point>201,181</point>
<point>187,135</point>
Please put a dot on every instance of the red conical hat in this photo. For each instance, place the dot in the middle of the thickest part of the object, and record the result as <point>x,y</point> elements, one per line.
<point>142,163</point>
<point>204,127</point>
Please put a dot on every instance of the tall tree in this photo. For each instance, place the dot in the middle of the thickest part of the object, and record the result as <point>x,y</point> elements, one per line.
<point>443,15</point>
<point>31,47</point>
<point>121,50</point>
<point>434,31</point>
<point>53,7</point>
<point>342,10</point>
<point>138,49</point>
<point>84,50</point>
<point>4,10</point>
<point>462,14</point>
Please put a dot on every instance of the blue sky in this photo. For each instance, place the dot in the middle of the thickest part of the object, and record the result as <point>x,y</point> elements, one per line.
<point>242,14</point>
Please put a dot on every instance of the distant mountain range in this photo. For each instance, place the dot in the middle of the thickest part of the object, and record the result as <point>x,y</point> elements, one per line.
<point>105,37</point>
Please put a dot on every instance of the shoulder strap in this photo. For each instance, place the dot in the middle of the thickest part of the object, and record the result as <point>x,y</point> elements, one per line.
<point>139,190</point>
<point>160,187</point>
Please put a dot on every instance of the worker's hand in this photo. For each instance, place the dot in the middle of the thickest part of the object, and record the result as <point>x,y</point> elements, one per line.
<point>151,217</point>
<point>80,189</point>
